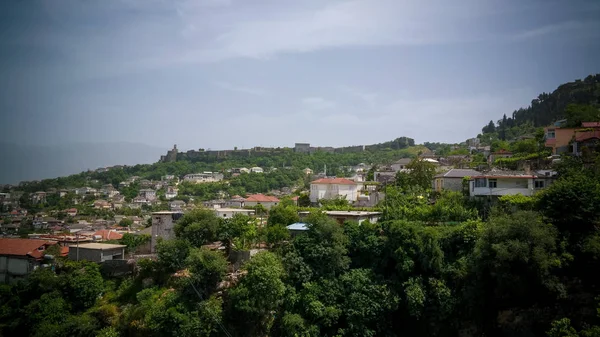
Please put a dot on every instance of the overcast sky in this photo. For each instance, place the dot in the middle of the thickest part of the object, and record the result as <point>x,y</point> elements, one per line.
<point>223,73</point>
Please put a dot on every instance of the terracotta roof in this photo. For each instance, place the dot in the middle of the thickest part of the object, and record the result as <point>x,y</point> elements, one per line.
<point>23,247</point>
<point>338,181</point>
<point>261,198</point>
<point>109,235</point>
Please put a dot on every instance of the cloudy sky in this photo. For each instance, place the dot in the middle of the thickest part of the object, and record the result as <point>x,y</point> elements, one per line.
<point>223,73</point>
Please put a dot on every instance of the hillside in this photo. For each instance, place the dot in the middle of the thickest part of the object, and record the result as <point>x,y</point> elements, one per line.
<point>567,101</point>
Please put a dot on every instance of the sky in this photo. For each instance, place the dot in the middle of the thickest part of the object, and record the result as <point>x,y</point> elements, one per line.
<point>216,74</point>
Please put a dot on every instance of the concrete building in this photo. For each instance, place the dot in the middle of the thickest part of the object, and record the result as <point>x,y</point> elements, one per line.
<point>19,257</point>
<point>498,183</point>
<point>256,169</point>
<point>97,252</point>
<point>343,216</point>
<point>171,192</point>
<point>228,213</point>
<point>400,164</point>
<point>162,226</point>
<point>453,179</point>
<point>333,188</point>
<point>204,177</point>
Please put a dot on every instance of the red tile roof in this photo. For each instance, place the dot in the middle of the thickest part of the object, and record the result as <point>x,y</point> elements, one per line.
<point>338,181</point>
<point>295,198</point>
<point>23,247</point>
<point>261,198</point>
<point>109,235</point>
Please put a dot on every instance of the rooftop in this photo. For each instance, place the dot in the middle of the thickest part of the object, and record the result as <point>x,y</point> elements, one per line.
<point>165,212</point>
<point>459,173</point>
<point>22,247</point>
<point>338,181</point>
<point>261,198</point>
<point>223,209</point>
<point>298,226</point>
<point>99,246</point>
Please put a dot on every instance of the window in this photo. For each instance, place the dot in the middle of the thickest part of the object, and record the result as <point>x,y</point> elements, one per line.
<point>539,184</point>
<point>224,215</point>
<point>493,183</point>
<point>480,182</point>
<point>550,134</point>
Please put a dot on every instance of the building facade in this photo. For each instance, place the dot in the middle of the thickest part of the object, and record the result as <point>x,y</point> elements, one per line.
<point>333,188</point>
<point>162,226</point>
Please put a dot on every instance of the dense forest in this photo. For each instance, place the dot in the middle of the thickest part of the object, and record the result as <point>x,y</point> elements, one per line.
<point>575,101</point>
<point>434,265</point>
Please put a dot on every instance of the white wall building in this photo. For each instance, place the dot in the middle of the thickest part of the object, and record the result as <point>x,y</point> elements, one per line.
<point>228,213</point>
<point>204,177</point>
<point>171,192</point>
<point>510,183</point>
<point>332,188</point>
<point>257,169</point>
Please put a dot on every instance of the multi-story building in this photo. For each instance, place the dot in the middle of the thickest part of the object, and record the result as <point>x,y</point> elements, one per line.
<point>565,139</point>
<point>162,226</point>
<point>499,183</point>
<point>333,188</point>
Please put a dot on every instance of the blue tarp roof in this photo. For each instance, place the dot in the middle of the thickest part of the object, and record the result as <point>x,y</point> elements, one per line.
<point>298,226</point>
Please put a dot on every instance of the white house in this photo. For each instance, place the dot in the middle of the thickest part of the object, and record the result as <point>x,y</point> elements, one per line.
<point>498,183</point>
<point>400,164</point>
<point>453,179</point>
<point>257,169</point>
<point>228,213</point>
<point>332,188</point>
<point>204,177</point>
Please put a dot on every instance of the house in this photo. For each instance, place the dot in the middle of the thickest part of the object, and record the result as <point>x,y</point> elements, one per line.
<point>218,203</point>
<point>124,184</point>
<point>307,171</point>
<point>147,193</point>
<point>139,200</point>
<point>97,252</point>
<point>400,164</point>
<point>171,192</point>
<point>38,197</point>
<point>162,226</point>
<point>19,257</point>
<point>106,235</point>
<point>498,183</point>
<point>333,188</point>
<point>86,191</point>
<point>257,169</point>
<point>176,205</point>
<point>101,204</point>
<point>235,201</point>
<point>239,170</point>
<point>452,180</point>
<point>587,137</point>
<point>167,177</point>
<point>343,216</point>
<point>71,212</point>
<point>145,183</point>
<point>205,177</point>
<point>559,138</point>
<point>62,193</point>
<point>261,199</point>
<point>228,213</point>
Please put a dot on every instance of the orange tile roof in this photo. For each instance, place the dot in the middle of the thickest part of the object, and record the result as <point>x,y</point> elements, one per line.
<point>23,247</point>
<point>109,235</point>
<point>338,181</point>
<point>261,198</point>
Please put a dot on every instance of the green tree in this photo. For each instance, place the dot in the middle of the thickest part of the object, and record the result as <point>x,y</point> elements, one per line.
<point>198,226</point>
<point>126,222</point>
<point>206,269</point>
<point>258,294</point>
<point>172,253</point>
<point>280,215</point>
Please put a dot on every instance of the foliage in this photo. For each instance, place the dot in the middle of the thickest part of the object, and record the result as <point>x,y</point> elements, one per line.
<point>198,227</point>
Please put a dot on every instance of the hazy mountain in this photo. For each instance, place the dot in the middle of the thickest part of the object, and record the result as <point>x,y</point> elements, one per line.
<point>33,162</point>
